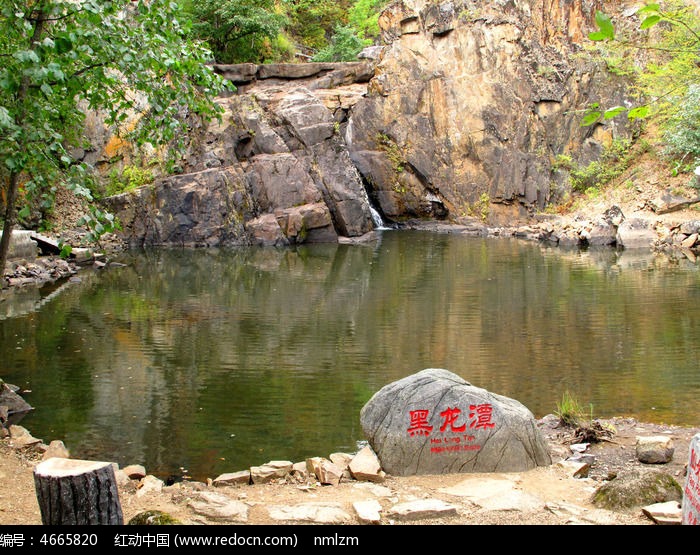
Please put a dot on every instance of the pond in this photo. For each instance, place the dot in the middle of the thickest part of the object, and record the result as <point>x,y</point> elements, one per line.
<point>199,362</point>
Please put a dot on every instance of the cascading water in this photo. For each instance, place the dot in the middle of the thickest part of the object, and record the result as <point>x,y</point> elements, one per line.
<point>377,219</point>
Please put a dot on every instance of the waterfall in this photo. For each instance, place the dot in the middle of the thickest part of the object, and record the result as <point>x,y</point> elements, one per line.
<point>377,218</point>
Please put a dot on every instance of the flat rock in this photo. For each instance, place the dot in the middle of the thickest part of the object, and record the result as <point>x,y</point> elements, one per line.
<point>664,513</point>
<point>422,509</point>
<point>218,507</point>
<point>230,478</point>
<point>368,511</point>
<point>269,471</point>
<point>320,513</point>
<point>495,494</point>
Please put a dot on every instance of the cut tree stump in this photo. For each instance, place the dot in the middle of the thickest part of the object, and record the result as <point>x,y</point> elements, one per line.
<point>72,491</point>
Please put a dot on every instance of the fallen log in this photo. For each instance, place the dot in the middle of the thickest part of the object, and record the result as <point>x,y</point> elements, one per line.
<point>71,491</point>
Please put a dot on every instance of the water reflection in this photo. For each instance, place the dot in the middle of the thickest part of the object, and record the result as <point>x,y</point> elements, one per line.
<point>202,362</point>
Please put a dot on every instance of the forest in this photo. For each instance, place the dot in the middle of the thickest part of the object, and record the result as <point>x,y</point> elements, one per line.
<point>266,31</point>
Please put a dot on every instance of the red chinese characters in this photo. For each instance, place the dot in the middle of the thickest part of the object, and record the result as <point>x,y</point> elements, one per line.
<point>481,416</point>
<point>450,436</point>
<point>419,423</point>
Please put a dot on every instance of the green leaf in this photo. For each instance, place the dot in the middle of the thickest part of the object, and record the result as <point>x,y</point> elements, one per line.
<point>649,8</point>
<point>597,36</point>
<point>612,112</point>
<point>590,118</point>
<point>639,112</point>
<point>63,45</point>
<point>650,21</point>
<point>24,213</point>
<point>605,25</point>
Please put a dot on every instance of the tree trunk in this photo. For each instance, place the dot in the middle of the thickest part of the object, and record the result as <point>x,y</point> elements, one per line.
<point>9,224</point>
<point>77,492</point>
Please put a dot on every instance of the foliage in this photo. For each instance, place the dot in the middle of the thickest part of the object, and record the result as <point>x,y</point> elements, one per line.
<point>236,30</point>
<point>312,22</point>
<point>131,60</point>
<point>363,16</point>
<point>682,130</point>
<point>130,178</point>
<point>589,179</point>
<point>344,46</point>
<point>669,77</point>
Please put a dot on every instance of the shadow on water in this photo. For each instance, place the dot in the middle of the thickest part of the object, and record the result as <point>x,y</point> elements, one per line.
<point>198,362</point>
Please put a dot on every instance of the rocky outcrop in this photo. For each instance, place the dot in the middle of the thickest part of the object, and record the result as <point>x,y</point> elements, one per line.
<point>274,170</point>
<point>473,102</point>
<point>462,113</point>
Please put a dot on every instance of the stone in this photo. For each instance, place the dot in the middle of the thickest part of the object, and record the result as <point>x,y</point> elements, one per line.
<point>135,471</point>
<point>325,471</point>
<point>319,513</point>
<point>20,438</point>
<point>435,422</point>
<point>577,469</point>
<point>218,507</point>
<point>365,466</point>
<point>496,493</point>
<point>636,488</point>
<point>654,449</point>
<point>422,509</point>
<point>232,478</point>
<point>691,489</point>
<point>342,460</point>
<point>269,471</point>
<point>373,488</point>
<point>300,469</point>
<point>56,449</point>
<point>636,233</point>
<point>664,513</point>
<point>689,241</point>
<point>15,406</point>
<point>368,511</point>
<point>149,484</point>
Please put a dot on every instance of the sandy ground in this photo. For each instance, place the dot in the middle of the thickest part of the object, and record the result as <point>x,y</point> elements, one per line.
<point>562,499</point>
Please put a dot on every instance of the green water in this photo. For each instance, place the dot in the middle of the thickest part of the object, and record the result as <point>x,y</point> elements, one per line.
<point>199,362</point>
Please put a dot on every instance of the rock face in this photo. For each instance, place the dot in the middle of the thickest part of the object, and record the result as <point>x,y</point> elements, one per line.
<point>463,114</point>
<point>273,171</point>
<point>472,103</point>
<point>434,422</point>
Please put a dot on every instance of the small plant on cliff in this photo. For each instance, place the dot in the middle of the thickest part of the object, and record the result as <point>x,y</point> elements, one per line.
<point>129,179</point>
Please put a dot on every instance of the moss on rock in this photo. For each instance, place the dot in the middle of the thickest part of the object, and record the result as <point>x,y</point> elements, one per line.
<point>636,488</point>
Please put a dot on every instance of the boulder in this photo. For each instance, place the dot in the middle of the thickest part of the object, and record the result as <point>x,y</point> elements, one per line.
<point>635,488</point>
<point>435,422</point>
<point>636,233</point>
<point>654,449</point>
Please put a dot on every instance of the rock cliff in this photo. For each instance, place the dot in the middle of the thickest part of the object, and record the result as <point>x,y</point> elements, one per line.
<point>462,114</point>
<point>472,102</point>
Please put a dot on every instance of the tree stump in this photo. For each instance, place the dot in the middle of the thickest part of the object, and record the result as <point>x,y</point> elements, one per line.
<point>78,492</point>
